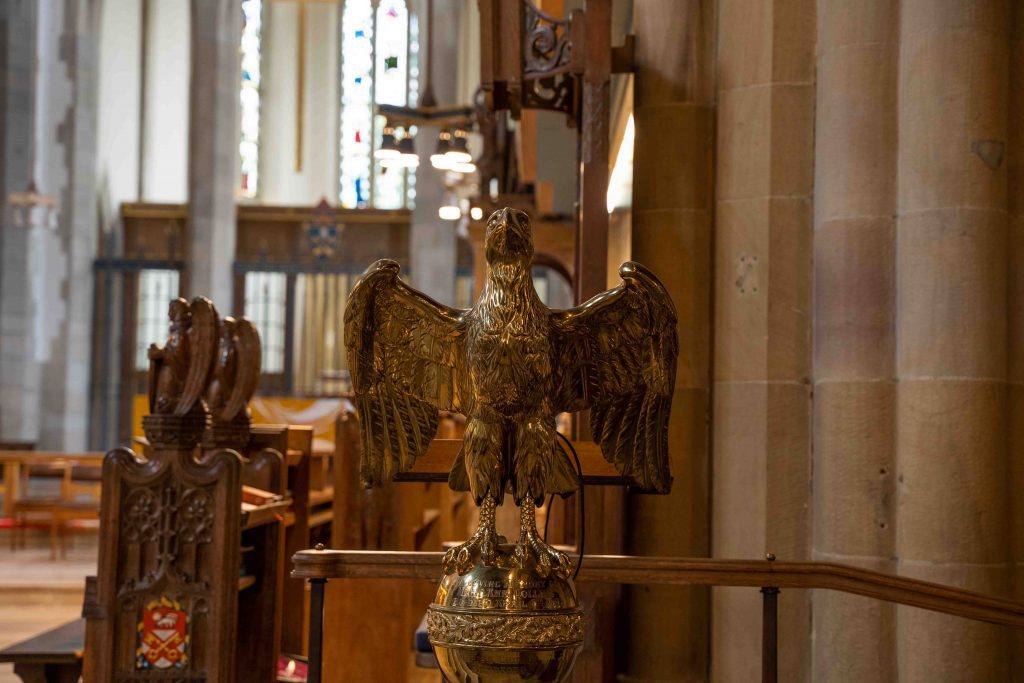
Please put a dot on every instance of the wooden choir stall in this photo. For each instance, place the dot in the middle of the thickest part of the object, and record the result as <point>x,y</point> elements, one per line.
<point>189,575</point>
<point>196,528</point>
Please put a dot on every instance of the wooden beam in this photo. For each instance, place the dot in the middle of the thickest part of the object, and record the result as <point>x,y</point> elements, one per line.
<point>592,212</point>
<point>437,461</point>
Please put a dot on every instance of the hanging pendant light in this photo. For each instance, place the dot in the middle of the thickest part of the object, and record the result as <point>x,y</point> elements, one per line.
<point>463,168</point>
<point>439,159</point>
<point>449,209</point>
<point>458,153</point>
<point>407,153</point>
<point>388,149</point>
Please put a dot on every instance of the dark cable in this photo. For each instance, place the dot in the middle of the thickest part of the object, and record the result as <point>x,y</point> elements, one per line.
<point>547,516</point>
<point>583,522</point>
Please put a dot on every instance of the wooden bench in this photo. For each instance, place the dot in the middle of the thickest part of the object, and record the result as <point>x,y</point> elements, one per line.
<point>77,499</point>
<point>51,657</point>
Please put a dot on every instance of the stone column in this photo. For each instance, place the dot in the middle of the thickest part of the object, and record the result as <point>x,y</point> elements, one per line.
<point>951,332</point>
<point>19,373</point>
<point>854,344</point>
<point>213,171</point>
<point>674,112</point>
<point>762,329</point>
<point>66,167</point>
<point>432,247</point>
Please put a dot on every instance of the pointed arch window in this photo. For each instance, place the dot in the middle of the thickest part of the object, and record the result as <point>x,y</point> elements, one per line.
<point>249,98</point>
<point>379,65</point>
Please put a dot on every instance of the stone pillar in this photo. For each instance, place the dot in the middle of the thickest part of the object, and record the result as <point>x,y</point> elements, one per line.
<point>854,344</point>
<point>19,373</point>
<point>66,167</point>
<point>213,171</point>
<point>667,628</point>
<point>432,246</point>
<point>951,332</point>
<point>762,328</point>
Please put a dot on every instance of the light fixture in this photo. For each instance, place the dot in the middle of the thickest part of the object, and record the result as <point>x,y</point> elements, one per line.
<point>439,159</point>
<point>23,204</point>
<point>458,153</point>
<point>467,167</point>
<point>449,213</point>
<point>476,213</point>
<point>449,209</point>
<point>407,153</point>
<point>388,149</point>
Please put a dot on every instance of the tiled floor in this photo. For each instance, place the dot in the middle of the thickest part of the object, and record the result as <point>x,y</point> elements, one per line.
<point>37,594</point>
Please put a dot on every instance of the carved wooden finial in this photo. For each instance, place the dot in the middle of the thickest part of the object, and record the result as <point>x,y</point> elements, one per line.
<point>179,372</point>
<point>236,373</point>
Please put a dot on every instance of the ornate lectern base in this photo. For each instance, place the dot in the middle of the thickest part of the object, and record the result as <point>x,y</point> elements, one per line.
<point>512,616</point>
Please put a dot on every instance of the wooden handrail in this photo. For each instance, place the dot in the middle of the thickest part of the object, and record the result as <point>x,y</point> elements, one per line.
<point>363,564</point>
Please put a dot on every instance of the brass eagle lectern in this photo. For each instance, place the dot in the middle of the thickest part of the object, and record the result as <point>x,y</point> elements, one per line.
<point>508,611</point>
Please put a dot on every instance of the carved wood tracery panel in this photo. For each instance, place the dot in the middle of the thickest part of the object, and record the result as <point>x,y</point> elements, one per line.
<point>169,565</point>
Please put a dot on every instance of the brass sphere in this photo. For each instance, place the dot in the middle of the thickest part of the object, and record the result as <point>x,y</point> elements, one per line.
<point>505,622</point>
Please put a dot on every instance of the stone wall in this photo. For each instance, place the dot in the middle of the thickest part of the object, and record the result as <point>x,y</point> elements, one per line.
<point>865,384</point>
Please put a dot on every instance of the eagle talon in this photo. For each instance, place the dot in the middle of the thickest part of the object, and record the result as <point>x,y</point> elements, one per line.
<point>547,559</point>
<point>482,545</point>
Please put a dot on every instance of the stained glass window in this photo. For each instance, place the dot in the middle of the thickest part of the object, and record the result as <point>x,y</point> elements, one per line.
<point>156,289</point>
<point>249,144</point>
<point>265,301</point>
<point>379,65</point>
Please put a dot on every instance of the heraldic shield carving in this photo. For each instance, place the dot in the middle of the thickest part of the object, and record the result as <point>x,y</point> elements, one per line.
<point>163,636</point>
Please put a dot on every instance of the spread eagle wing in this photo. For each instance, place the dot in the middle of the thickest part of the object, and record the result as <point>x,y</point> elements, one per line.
<point>616,354</point>
<point>202,341</point>
<point>247,364</point>
<point>405,354</point>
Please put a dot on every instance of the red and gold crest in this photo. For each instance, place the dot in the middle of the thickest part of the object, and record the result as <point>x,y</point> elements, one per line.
<point>163,636</point>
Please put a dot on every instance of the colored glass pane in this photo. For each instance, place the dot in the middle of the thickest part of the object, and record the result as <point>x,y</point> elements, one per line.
<point>249,97</point>
<point>356,102</point>
<point>379,65</point>
<point>392,36</point>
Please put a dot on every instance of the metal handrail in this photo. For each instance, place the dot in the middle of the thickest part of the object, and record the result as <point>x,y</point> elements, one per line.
<point>769,575</point>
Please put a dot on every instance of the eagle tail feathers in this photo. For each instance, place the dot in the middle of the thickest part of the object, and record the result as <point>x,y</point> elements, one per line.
<point>458,479</point>
<point>562,476</point>
<point>483,464</point>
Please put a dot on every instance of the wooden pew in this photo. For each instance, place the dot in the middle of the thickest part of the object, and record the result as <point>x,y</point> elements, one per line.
<point>260,604</point>
<point>413,515</point>
<point>54,656</point>
<point>295,441</point>
<point>299,449</point>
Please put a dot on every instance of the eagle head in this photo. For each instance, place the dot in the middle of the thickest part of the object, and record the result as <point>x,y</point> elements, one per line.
<point>509,238</point>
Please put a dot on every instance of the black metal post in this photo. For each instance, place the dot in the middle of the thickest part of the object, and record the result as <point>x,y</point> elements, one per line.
<point>770,635</point>
<point>316,629</point>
